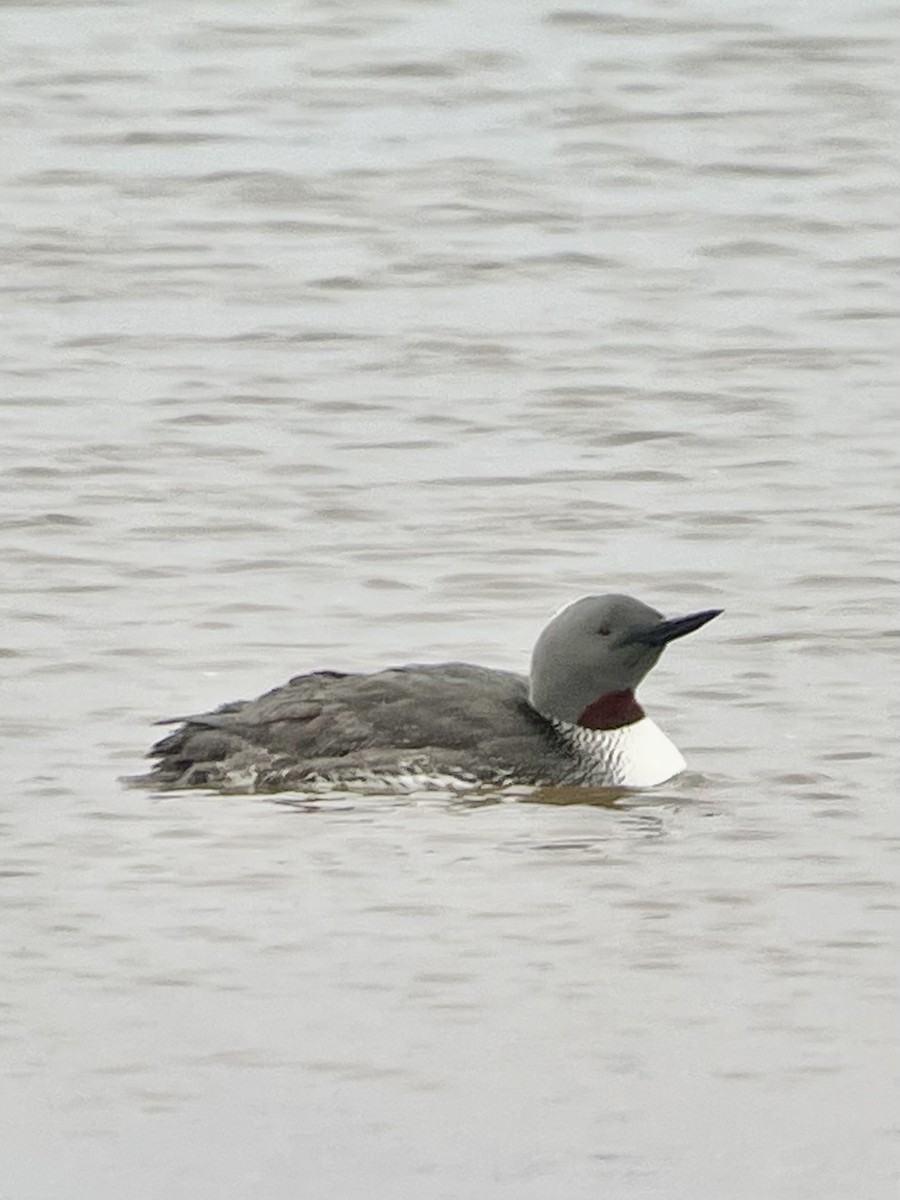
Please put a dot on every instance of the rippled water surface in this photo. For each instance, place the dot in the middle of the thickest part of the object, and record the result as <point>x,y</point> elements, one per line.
<point>341,335</point>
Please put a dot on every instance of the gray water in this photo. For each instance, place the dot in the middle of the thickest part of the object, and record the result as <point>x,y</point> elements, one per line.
<point>344,335</point>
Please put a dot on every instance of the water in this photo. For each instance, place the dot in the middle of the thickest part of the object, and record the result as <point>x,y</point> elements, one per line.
<point>337,336</point>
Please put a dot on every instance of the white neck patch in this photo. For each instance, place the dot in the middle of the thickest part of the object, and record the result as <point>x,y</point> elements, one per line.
<point>637,755</point>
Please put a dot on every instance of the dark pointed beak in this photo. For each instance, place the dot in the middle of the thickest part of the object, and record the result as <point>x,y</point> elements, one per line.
<point>667,631</point>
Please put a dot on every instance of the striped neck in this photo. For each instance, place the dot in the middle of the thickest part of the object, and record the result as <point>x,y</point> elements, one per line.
<point>637,755</point>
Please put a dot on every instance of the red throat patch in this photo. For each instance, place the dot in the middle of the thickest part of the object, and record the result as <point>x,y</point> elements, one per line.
<point>611,711</point>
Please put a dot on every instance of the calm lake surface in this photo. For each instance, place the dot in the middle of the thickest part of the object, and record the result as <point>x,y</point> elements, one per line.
<point>346,335</point>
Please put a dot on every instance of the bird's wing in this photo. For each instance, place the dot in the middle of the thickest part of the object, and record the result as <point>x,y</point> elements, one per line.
<point>451,713</point>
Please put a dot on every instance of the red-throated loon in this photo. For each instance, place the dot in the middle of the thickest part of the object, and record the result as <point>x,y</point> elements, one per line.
<point>574,722</point>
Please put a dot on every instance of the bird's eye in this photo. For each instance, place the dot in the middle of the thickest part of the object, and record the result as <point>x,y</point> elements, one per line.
<point>604,632</point>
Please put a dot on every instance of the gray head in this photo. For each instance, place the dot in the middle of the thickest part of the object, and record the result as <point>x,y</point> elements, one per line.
<point>601,646</point>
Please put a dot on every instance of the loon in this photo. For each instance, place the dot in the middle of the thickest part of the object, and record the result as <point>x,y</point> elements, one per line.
<point>573,722</point>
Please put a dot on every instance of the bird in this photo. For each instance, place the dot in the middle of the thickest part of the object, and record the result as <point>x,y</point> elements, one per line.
<point>573,722</point>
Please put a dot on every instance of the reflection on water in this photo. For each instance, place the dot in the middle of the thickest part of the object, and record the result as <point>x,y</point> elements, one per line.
<point>346,338</point>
